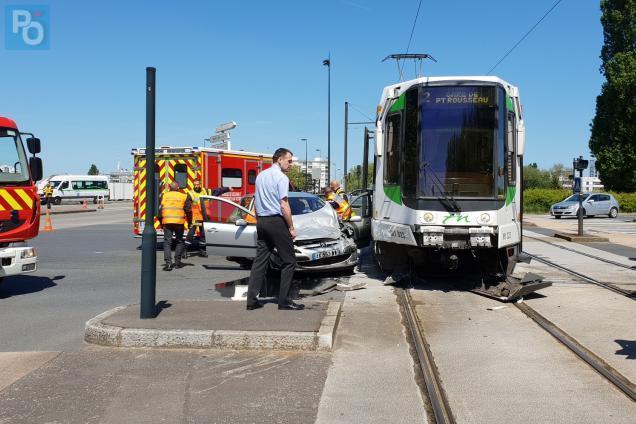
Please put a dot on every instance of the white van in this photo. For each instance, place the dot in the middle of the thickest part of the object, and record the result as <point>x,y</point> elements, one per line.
<point>78,187</point>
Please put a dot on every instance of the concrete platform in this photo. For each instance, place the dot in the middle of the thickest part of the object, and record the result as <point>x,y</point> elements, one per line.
<point>586,238</point>
<point>217,324</point>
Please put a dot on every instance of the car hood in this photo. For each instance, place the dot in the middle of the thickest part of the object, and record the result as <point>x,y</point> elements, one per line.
<point>566,203</point>
<point>321,224</point>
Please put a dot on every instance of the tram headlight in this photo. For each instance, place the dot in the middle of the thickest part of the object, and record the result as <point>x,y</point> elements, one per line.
<point>484,218</point>
<point>428,217</point>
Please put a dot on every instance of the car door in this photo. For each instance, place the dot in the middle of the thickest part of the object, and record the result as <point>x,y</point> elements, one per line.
<point>592,206</point>
<point>361,206</point>
<point>604,204</point>
<point>229,228</point>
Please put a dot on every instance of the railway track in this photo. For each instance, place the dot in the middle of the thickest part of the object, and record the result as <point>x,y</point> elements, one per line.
<point>589,357</point>
<point>439,403</point>
<point>627,293</point>
<point>618,264</point>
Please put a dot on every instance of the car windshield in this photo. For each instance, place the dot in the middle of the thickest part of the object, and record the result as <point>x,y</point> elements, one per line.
<point>13,162</point>
<point>305,204</point>
<point>575,198</point>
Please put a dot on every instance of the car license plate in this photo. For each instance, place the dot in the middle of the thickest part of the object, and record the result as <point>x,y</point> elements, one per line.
<point>325,254</point>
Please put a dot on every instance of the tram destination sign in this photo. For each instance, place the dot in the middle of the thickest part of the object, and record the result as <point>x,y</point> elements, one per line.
<point>441,96</point>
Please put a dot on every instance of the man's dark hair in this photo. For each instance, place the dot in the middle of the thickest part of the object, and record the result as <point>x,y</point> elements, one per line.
<point>281,151</point>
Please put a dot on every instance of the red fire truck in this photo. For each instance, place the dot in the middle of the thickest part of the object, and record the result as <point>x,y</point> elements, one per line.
<point>213,167</point>
<point>19,201</point>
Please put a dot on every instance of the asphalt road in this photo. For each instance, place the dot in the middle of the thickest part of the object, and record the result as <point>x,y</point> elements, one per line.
<point>89,264</point>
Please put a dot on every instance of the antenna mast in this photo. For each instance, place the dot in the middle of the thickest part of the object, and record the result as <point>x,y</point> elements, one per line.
<point>417,60</point>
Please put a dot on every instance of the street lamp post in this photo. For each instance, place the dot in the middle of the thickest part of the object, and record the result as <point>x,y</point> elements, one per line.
<point>319,167</point>
<point>327,63</point>
<point>306,169</point>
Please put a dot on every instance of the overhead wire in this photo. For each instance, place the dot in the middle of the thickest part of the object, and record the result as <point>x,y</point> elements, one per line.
<point>408,46</point>
<point>360,112</point>
<point>524,37</point>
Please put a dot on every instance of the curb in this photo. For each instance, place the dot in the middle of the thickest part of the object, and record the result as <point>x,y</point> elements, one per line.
<point>96,332</point>
<point>581,239</point>
<point>67,212</point>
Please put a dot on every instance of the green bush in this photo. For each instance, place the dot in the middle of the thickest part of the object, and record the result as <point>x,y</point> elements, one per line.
<point>539,200</point>
<point>627,201</point>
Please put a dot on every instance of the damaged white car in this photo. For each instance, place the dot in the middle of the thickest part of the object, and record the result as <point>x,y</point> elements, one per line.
<point>321,243</point>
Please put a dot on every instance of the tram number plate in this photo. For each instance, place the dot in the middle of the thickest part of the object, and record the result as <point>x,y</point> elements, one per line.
<point>325,254</point>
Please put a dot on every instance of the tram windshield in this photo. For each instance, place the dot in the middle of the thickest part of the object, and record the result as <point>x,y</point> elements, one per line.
<point>461,142</point>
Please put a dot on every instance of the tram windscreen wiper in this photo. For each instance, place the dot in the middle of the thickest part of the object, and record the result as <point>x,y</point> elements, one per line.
<point>440,187</point>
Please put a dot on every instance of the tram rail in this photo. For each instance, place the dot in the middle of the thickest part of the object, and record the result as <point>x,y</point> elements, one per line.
<point>627,293</point>
<point>439,403</point>
<point>589,357</point>
<point>608,261</point>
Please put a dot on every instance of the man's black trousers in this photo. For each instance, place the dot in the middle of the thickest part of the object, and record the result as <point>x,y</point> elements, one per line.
<point>170,230</point>
<point>272,232</point>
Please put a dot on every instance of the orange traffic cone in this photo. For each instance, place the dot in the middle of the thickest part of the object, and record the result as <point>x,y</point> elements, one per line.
<point>85,204</point>
<point>48,226</point>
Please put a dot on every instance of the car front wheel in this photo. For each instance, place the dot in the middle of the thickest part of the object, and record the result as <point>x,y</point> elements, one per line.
<point>613,213</point>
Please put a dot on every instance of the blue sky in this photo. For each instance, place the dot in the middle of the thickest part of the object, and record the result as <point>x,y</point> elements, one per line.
<point>260,64</point>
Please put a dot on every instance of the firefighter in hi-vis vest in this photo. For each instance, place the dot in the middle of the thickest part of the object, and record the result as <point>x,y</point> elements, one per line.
<point>174,212</point>
<point>338,203</point>
<point>48,195</point>
<point>335,186</point>
<point>197,214</point>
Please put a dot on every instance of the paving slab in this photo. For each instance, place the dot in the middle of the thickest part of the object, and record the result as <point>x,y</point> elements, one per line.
<point>15,365</point>
<point>114,386</point>
<point>372,379</point>
<point>217,324</point>
<point>498,366</point>
<point>601,320</point>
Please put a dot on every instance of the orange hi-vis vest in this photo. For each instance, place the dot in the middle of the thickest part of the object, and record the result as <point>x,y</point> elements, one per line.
<point>343,210</point>
<point>172,211</point>
<point>197,215</point>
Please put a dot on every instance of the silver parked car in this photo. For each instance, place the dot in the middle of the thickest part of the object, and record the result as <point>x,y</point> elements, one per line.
<point>321,243</point>
<point>592,204</point>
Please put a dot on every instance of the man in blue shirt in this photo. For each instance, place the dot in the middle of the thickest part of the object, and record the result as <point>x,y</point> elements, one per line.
<point>275,229</point>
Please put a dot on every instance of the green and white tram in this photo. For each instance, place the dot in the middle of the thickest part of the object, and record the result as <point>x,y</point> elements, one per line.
<point>449,154</point>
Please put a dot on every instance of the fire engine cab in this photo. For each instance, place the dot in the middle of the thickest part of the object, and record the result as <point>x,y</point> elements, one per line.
<point>215,168</point>
<point>19,200</point>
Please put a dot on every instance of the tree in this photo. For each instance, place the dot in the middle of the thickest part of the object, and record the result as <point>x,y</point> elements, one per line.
<point>93,170</point>
<point>354,178</point>
<point>613,136</point>
<point>298,178</point>
<point>557,174</point>
<point>533,177</point>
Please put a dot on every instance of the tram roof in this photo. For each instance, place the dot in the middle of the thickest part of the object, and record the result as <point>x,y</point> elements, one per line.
<point>402,86</point>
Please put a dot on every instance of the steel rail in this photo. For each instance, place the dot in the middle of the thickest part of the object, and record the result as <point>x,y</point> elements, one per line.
<point>436,395</point>
<point>596,362</point>
<point>627,293</point>
<point>631,268</point>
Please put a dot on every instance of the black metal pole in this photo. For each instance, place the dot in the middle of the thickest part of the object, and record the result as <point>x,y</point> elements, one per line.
<point>581,203</point>
<point>365,159</point>
<point>329,121</point>
<point>147,307</point>
<point>346,135</point>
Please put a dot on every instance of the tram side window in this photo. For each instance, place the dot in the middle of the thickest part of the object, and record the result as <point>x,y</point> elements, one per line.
<point>251,177</point>
<point>181,175</point>
<point>392,157</point>
<point>410,143</point>
<point>511,141</point>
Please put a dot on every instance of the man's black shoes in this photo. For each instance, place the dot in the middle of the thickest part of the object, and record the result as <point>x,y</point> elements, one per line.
<point>203,254</point>
<point>254,306</point>
<point>167,266</point>
<point>291,307</point>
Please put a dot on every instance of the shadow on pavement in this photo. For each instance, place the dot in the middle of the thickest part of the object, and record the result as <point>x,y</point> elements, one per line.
<point>628,348</point>
<point>25,284</point>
